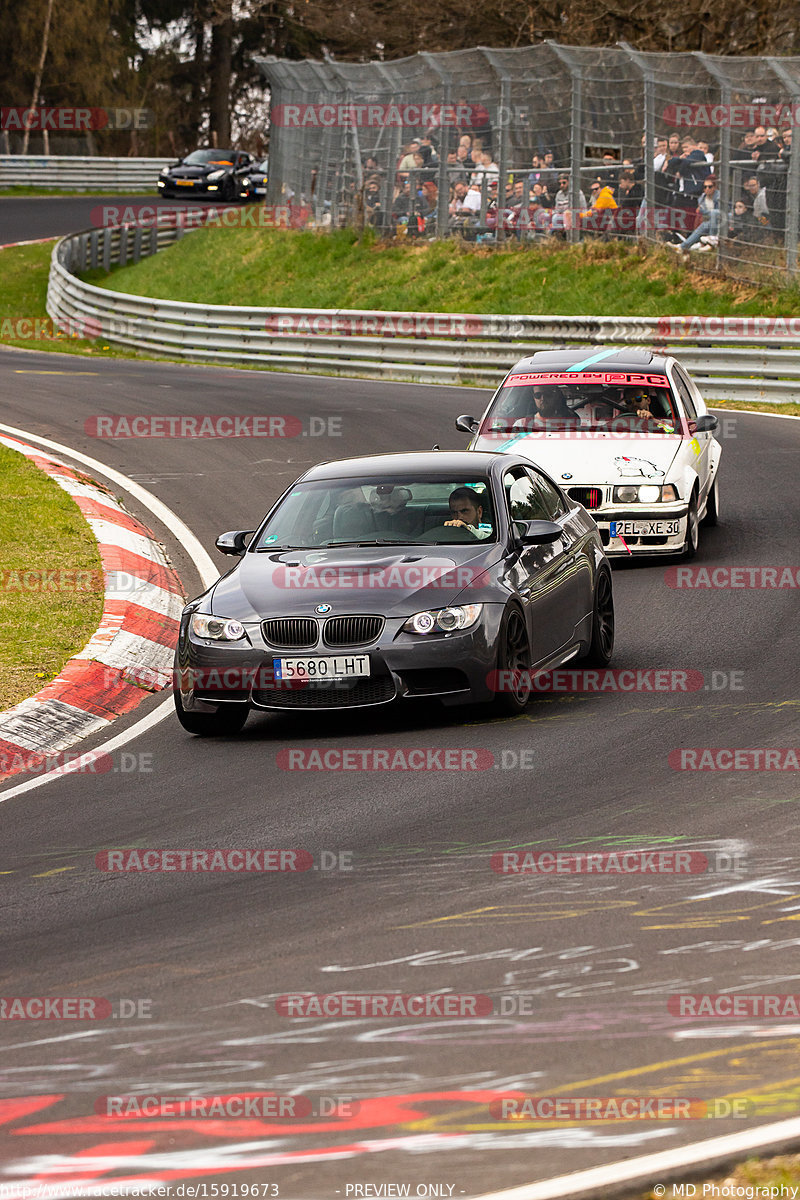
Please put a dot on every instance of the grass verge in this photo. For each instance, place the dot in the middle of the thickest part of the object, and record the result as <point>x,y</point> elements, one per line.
<point>19,189</point>
<point>314,270</point>
<point>298,269</point>
<point>45,620</point>
<point>753,1178</point>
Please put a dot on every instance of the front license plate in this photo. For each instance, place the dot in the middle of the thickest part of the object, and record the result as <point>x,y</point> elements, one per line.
<point>261,191</point>
<point>643,528</point>
<point>343,666</point>
<point>185,182</point>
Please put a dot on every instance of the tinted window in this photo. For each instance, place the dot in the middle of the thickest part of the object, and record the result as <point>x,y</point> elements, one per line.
<point>551,503</point>
<point>525,500</point>
<point>682,385</point>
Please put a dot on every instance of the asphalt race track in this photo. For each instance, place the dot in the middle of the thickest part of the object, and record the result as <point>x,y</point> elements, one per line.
<point>579,967</point>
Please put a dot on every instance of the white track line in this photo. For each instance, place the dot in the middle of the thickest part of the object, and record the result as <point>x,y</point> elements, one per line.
<point>202,560</point>
<point>651,1169</point>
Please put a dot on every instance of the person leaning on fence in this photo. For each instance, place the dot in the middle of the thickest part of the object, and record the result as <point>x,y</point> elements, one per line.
<point>755,196</point>
<point>742,225</point>
<point>629,193</point>
<point>708,209</point>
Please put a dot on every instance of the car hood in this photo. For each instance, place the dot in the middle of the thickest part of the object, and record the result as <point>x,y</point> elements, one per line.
<point>382,580</point>
<point>593,458</point>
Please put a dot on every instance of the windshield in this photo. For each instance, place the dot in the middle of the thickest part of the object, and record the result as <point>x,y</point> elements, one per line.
<point>382,511</point>
<point>201,158</point>
<point>578,402</point>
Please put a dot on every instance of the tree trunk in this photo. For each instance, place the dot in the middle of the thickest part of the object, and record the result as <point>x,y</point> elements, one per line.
<point>220,72</point>
<point>37,82</point>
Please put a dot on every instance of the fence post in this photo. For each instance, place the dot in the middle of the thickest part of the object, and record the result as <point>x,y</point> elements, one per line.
<point>793,178</point>
<point>576,135</point>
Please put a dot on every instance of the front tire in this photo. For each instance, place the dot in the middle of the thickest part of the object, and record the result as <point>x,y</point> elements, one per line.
<point>601,646</point>
<point>228,720</point>
<point>712,504</point>
<point>513,664</point>
<point>692,529</point>
<point>228,190</point>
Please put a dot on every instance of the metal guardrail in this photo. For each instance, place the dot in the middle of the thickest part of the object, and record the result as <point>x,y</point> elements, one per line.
<point>423,347</point>
<point>82,173</point>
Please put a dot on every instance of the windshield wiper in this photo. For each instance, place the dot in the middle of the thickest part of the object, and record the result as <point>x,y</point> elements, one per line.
<point>372,542</point>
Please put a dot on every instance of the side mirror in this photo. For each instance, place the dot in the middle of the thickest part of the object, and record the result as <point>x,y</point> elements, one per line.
<point>234,542</point>
<point>467,424</point>
<point>537,533</point>
<point>706,424</point>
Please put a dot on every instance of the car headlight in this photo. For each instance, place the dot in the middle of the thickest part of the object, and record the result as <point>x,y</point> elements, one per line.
<point>645,493</point>
<point>220,629</point>
<point>444,620</point>
<point>215,175</point>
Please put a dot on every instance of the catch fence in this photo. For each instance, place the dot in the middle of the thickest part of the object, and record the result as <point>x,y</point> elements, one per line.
<point>341,142</point>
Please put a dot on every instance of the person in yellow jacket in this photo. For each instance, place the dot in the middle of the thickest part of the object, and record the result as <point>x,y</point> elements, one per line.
<point>601,197</point>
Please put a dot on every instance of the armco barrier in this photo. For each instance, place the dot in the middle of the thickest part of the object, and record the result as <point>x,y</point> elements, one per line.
<point>81,173</point>
<point>731,360</point>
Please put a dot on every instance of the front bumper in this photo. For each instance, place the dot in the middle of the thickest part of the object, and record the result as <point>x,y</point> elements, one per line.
<point>452,668</point>
<point>650,542</point>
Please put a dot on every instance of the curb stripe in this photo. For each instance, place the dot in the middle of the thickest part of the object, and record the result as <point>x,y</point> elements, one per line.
<point>101,691</point>
<point>129,656</point>
<point>115,559</point>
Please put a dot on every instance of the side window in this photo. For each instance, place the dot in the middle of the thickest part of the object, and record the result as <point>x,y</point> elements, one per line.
<point>682,385</point>
<point>552,505</point>
<point>524,498</point>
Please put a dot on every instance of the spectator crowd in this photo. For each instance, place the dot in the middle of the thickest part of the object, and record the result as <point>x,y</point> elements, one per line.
<point>537,202</point>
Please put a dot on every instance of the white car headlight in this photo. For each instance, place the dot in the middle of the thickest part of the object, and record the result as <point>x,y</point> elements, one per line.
<point>444,620</point>
<point>220,629</point>
<point>644,493</point>
<point>216,175</point>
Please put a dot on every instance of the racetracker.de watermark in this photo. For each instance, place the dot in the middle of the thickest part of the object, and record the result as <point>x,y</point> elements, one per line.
<point>190,216</point>
<point>139,859</point>
<point>617,679</point>
<point>769,579</point>
<point>74,1008</point>
<point>400,758</point>
<point>221,425</point>
<point>67,119</point>
<point>446,1005</point>
<point>264,1106</point>
<point>390,324</point>
<point>726,1004</point>
<point>730,116</point>
<point>43,329</point>
<point>379,578</point>
<point>616,1108</point>
<point>746,328</point>
<point>377,116</point>
<point>615,862</point>
<point>93,762</point>
<point>705,758</point>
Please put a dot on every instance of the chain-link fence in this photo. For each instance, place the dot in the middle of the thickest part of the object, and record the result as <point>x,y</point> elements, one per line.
<point>548,141</point>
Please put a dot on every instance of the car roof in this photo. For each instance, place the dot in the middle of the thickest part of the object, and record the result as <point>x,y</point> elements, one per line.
<point>597,358</point>
<point>459,463</point>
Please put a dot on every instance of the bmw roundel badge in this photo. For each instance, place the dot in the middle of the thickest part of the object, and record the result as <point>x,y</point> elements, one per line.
<point>566,475</point>
<point>322,609</point>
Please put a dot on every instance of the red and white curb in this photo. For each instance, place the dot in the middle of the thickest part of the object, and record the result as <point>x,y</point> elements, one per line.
<point>129,655</point>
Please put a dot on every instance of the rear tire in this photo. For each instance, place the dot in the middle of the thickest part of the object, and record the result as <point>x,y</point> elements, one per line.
<point>712,504</point>
<point>228,720</point>
<point>601,647</point>
<point>514,655</point>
